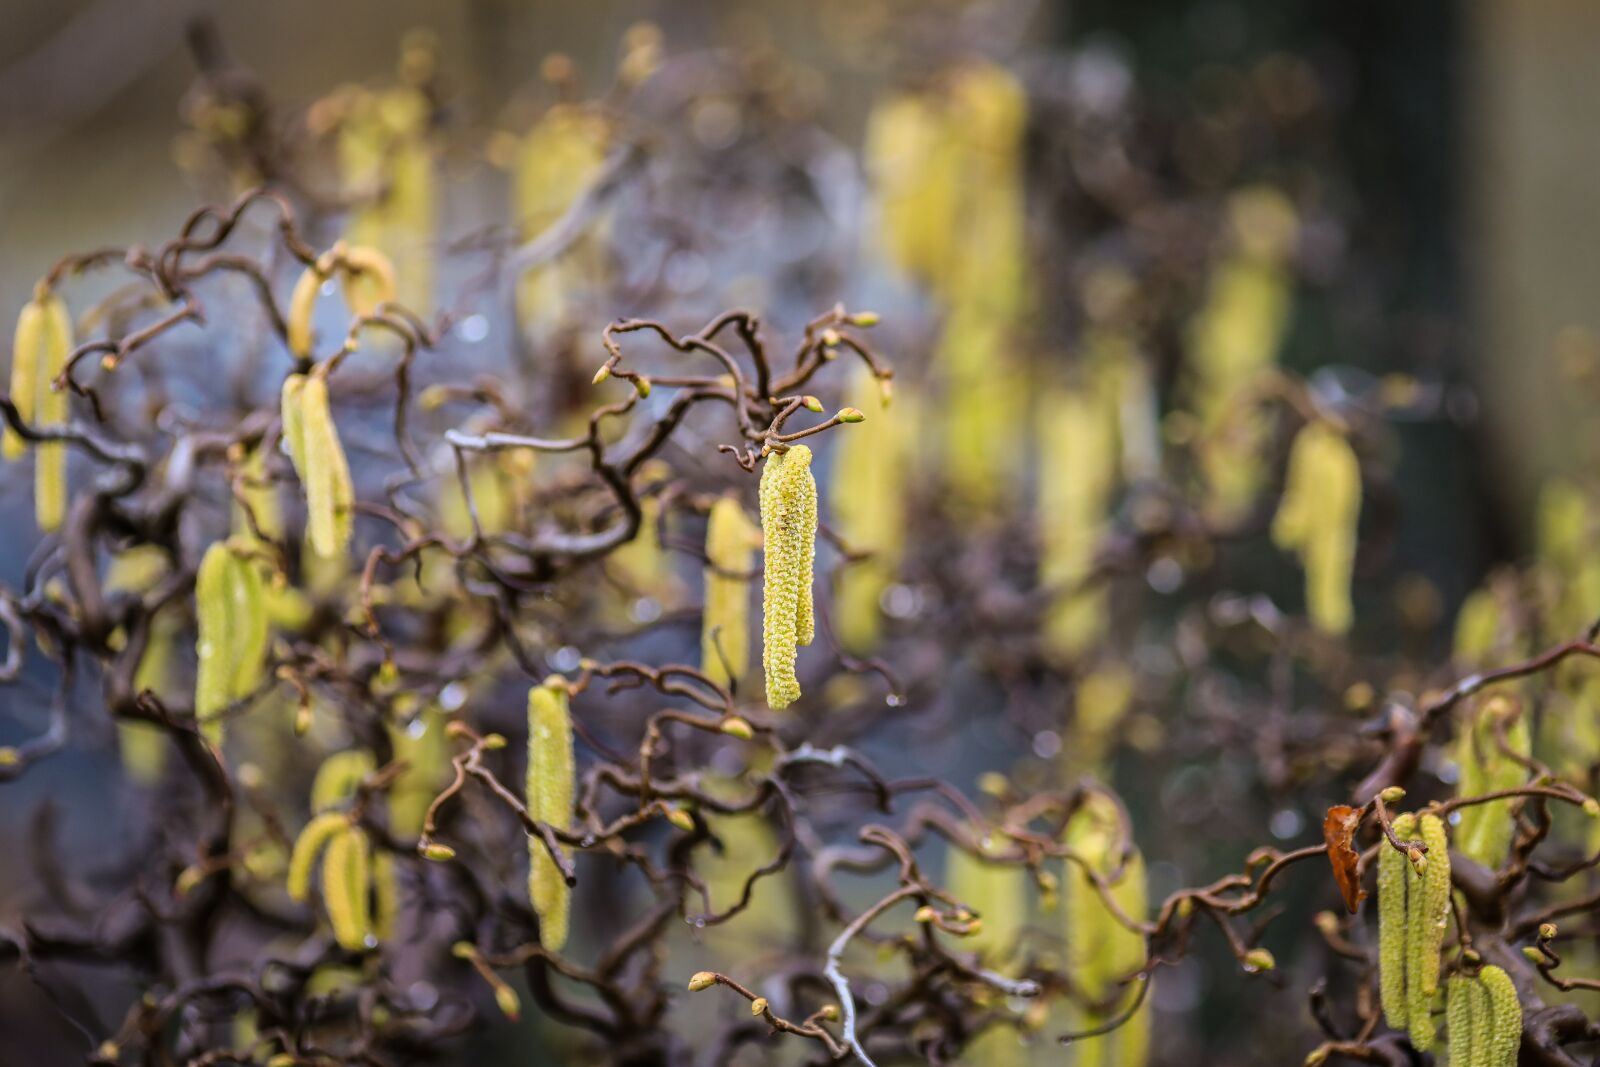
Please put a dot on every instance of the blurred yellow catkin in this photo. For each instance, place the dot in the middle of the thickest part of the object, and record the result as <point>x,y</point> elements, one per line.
<point>1234,340</point>
<point>945,162</point>
<point>731,542</point>
<point>1077,474</point>
<point>386,166</point>
<point>868,500</point>
<point>1317,520</point>
<point>231,645</point>
<point>551,781</point>
<point>1484,832</point>
<point>43,342</point>
<point>319,459</point>
<point>144,746</point>
<point>1102,952</point>
<point>558,158</point>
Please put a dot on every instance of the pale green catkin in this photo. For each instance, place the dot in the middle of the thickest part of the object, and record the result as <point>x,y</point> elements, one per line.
<point>346,882</point>
<point>306,849</point>
<point>1427,915</point>
<point>1505,1018</point>
<point>789,530</point>
<point>1485,830</point>
<point>1394,874</point>
<point>330,502</point>
<point>550,789</point>
<point>1465,1003</point>
<point>43,343</point>
<point>731,541</point>
<point>338,777</point>
<point>231,645</point>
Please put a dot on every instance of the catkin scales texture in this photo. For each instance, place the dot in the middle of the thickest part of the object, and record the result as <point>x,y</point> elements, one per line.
<point>550,786</point>
<point>789,531</point>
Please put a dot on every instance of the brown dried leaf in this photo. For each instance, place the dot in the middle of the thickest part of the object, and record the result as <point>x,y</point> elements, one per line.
<point>1338,830</point>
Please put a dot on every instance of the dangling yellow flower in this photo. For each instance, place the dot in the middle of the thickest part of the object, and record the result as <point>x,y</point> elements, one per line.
<point>1317,520</point>
<point>731,541</point>
<point>789,532</point>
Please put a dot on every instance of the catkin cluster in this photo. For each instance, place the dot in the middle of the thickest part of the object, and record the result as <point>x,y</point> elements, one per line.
<point>1102,952</point>
<point>731,541</point>
<point>43,342</point>
<point>1484,832</point>
<point>1484,1019</point>
<point>1317,520</point>
<point>353,878</point>
<point>1413,910</point>
<point>319,459</point>
<point>789,532</point>
<point>231,646</point>
<point>550,786</point>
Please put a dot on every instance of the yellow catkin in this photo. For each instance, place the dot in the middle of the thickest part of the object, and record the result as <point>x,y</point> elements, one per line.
<point>1101,950</point>
<point>868,504</point>
<point>367,279</point>
<point>997,892</point>
<point>1394,887</point>
<point>1505,1019</point>
<point>556,161</point>
<point>789,530</point>
<point>323,468</point>
<point>1427,914</point>
<point>1100,703</point>
<point>307,847</point>
<point>1077,446</point>
<point>231,645</point>
<point>1234,340</point>
<point>1484,832</point>
<point>550,785</point>
<point>386,162</point>
<point>1466,1008</point>
<point>52,345</point>
<point>30,342</point>
<point>421,743</point>
<point>1317,520</point>
<point>385,895</point>
<point>338,777</point>
<point>302,306</point>
<point>346,884</point>
<point>731,541</point>
<point>144,746</point>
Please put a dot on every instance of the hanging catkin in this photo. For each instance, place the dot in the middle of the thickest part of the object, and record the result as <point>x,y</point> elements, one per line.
<point>1317,520</point>
<point>231,616</point>
<point>319,459</point>
<point>868,509</point>
<point>346,884</point>
<point>43,342</point>
<point>731,541</point>
<point>1413,911</point>
<point>789,531</point>
<point>1101,950</point>
<point>550,785</point>
<point>307,847</point>
<point>1234,340</point>
<point>1484,832</point>
<point>1484,1019</point>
